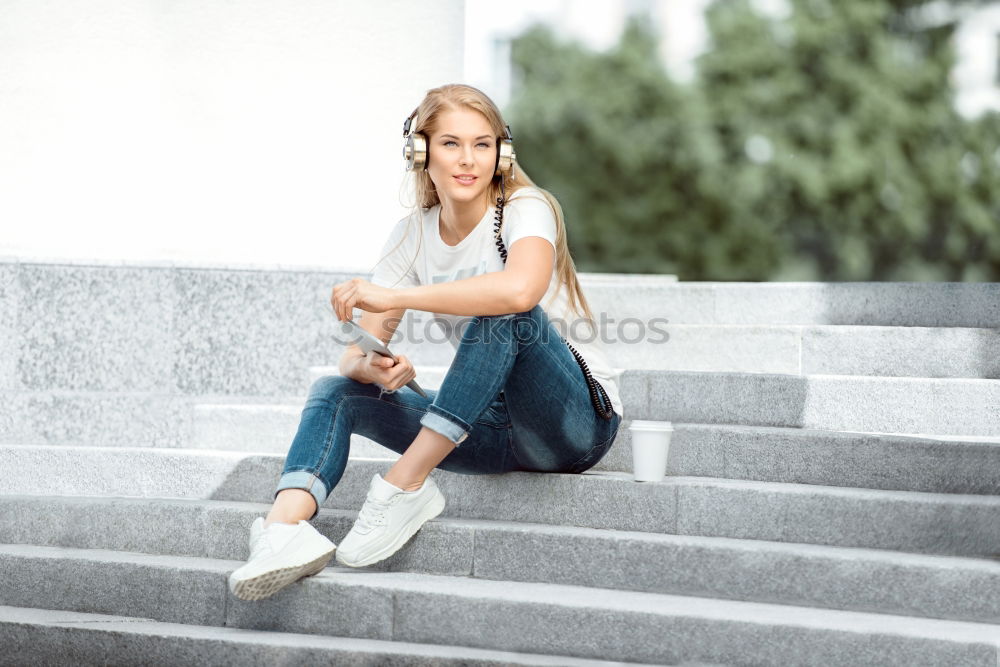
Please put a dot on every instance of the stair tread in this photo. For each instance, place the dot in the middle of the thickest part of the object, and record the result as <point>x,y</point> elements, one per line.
<point>742,545</point>
<point>563,596</point>
<point>108,624</point>
<point>592,476</point>
<point>804,433</point>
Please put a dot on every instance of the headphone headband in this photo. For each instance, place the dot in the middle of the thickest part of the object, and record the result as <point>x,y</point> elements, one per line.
<point>406,123</point>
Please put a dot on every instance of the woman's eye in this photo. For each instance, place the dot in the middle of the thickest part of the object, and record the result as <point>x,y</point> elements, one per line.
<point>481,143</point>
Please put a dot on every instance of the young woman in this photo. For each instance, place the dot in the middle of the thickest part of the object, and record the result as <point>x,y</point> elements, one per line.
<point>516,396</point>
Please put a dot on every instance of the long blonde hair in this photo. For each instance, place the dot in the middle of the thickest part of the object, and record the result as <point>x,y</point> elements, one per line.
<point>459,96</point>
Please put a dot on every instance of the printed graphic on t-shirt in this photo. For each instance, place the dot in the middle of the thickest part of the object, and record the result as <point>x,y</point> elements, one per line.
<point>460,274</point>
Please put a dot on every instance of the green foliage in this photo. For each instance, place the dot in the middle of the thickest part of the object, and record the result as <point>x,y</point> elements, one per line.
<point>823,145</point>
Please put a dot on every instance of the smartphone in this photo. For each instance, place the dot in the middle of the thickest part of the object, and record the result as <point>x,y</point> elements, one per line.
<point>351,333</point>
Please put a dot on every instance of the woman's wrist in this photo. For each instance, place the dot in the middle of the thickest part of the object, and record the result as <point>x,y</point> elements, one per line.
<point>350,367</point>
<point>397,298</point>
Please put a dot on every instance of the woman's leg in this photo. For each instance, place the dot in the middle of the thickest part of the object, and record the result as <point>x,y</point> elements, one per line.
<point>291,506</point>
<point>514,398</point>
<point>470,395</point>
<point>555,426</point>
<point>338,406</point>
<point>288,547</point>
<point>464,427</point>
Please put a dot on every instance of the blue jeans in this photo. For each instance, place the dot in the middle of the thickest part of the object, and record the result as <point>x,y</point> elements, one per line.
<point>514,398</point>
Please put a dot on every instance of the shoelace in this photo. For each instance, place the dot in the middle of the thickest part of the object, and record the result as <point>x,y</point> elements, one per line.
<point>373,512</point>
<point>261,546</point>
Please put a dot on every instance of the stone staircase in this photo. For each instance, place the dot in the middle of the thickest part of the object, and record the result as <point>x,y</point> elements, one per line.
<point>832,499</point>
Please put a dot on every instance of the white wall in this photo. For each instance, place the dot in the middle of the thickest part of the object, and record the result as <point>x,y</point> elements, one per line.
<point>489,33</point>
<point>248,132</point>
<point>975,73</point>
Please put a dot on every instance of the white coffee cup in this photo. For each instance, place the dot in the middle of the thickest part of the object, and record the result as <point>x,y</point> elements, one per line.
<point>650,447</point>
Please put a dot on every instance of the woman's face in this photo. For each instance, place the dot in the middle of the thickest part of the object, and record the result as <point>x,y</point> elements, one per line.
<point>463,155</point>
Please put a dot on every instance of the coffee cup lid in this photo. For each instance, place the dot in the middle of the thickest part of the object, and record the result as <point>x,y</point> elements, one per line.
<point>646,425</point>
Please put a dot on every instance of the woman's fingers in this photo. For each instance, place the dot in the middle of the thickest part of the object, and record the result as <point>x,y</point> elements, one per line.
<point>400,374</point>
<point>407,372</point>
<point>335,301</point>
<point>347,303</point>
<point>392,374</point>
<point>358,293</point>
<point>343,300</point>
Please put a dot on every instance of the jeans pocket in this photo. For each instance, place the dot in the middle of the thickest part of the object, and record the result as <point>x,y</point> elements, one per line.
<point>591,458</point>
<point>597,452</point>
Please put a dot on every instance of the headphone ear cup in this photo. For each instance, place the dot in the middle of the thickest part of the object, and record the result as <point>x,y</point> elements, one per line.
<point>505,159</point>
<point>415,151</point>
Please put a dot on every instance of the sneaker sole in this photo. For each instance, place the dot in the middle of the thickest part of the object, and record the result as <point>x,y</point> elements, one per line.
<point>427,512</point>
<point>268,583</point>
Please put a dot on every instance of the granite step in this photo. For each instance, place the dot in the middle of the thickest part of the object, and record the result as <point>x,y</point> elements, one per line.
<point>937,464</point>
<point>939,523</point>
<point>944,587</point>
<point>924,304</point>
<point>554,619</point>
<point>270,427</point>
<point>935,406</point>
<point>52,637</point>
<point>787,349</point>
<point>896,405</point>
<point>931,406</point>
<point>913,462</point>
<point>651,344</point>
<point>805,350</point>
<point>261,428</point>
<point>947,407</point>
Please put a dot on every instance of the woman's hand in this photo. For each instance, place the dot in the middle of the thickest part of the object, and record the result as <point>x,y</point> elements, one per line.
<point>359,293</point>
<point>387,373</point>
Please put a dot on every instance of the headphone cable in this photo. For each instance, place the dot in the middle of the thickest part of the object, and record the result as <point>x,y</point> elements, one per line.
<point>593,385</point>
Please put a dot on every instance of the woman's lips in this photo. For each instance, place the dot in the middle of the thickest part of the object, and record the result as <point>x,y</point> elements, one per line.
<point>466,180</point>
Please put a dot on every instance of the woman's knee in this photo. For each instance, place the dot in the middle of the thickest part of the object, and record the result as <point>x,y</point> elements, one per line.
<point>332,388</point>
<point>505,326</point>
<point>535,312</point>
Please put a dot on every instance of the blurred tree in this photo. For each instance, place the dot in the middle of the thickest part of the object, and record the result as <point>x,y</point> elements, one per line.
<point>819,145</point>
<point>846,111</point>
<point>633,160</point>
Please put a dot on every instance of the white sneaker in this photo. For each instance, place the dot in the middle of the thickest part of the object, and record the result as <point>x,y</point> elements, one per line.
<point>389,517</point>
<point>279,555</point>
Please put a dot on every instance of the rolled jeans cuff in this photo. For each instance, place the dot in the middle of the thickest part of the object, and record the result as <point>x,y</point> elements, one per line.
<point>446,424</point>
<point>307,481</point>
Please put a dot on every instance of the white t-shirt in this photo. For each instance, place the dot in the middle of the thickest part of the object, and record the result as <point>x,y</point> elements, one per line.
<point>525,214</point>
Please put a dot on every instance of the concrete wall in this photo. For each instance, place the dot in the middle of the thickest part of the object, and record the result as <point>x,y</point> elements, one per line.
<point>119,353</point>
<point>207,130</point>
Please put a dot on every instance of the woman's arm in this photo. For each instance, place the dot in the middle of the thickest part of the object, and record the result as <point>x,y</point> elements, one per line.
<point>516,289</point>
